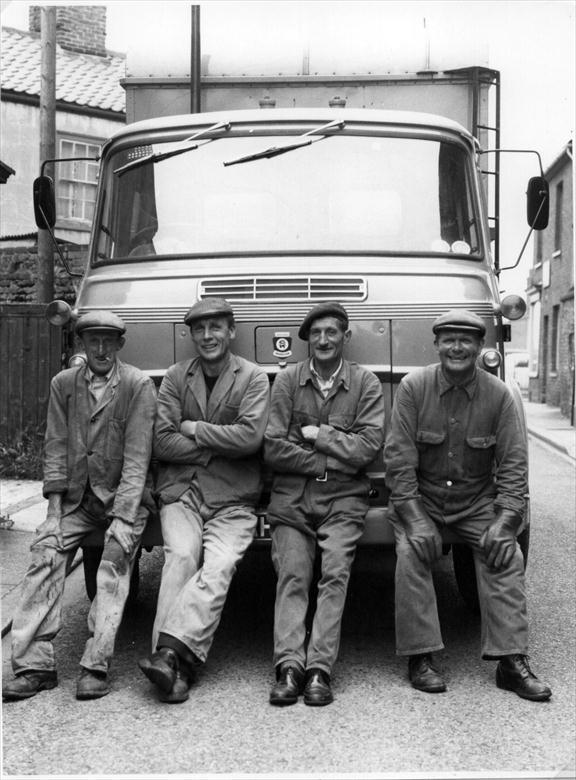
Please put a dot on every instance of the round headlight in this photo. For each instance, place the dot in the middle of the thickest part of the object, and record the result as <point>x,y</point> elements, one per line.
<point>78,359</point>
<point>491,359</point>
<point>513,307</point>
<point>58,313</point>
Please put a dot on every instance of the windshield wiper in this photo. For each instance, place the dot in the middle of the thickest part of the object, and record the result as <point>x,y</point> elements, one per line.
<point>302,140</point>
<point>186,146</point>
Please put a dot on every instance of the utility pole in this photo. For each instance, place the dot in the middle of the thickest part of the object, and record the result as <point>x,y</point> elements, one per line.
<point>45,286</point>
<point>195,62</point>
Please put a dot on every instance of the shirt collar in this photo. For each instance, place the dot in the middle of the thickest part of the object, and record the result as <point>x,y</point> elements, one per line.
<point>105,378</point>
<point>331,379</point>
<point>444,384</point>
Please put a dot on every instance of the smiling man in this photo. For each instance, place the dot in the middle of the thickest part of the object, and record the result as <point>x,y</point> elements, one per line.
<point>326,426</point>
<point>97,451</point>
<point>456,456</point>
<point>212,412</point>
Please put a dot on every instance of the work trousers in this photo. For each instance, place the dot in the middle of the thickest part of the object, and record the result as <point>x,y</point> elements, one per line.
<point>334,527</point>
<point>202,549</point>
<point>38,616</point>
<point>501,592</point>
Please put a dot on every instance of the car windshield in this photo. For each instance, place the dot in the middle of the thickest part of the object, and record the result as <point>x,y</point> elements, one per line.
<point>349,193</point>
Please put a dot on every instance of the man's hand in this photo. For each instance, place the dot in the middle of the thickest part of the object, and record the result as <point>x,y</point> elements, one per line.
<point>310,432</point>
<point>421,531</point>
<point>122,532</point>
<point>188,428</point>
<point>499,540</point>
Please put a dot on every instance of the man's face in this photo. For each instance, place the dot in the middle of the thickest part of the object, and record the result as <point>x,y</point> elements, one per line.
<point>101,347</point>
<point>212,337</point>
<point>458,351</point>
<point>327,340</point>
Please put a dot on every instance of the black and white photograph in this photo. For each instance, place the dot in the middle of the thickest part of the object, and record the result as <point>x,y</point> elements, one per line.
<point>287,390</point>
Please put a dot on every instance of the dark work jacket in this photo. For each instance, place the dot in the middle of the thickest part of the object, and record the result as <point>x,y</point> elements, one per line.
<point>459,448</point>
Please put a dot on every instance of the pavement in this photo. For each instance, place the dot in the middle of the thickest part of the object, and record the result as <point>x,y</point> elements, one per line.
<point>22,506</point>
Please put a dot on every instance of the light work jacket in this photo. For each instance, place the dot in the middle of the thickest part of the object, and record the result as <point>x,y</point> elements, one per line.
<point>224,456</point>
<point>107,444</point>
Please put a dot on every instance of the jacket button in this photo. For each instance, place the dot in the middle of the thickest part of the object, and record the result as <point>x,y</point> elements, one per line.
<point>90,452</point>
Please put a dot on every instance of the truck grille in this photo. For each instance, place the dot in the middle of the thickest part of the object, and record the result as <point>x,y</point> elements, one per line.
<point>285,289</point>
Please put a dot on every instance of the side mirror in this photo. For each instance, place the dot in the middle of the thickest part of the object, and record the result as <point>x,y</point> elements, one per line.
<point>537,203</point>
<point>44,202</point>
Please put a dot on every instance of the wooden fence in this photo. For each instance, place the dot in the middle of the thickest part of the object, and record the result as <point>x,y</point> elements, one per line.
<point>30,355</point>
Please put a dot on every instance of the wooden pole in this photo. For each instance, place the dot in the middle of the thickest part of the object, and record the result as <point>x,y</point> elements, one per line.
<point>195,62</point>
<point>45,285</point>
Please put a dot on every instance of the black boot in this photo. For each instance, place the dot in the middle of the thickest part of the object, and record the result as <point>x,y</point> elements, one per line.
<point>514,674</point>
<point>288,686</point>
<point>423,675</point>
<point>161,668</point>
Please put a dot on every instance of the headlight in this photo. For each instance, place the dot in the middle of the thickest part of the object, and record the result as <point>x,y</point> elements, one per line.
<point>78,359</point>
<point>490,359</point>
<point>513,307</point>
<point>58,313</point>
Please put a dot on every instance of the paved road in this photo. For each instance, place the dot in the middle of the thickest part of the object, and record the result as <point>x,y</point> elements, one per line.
<point>377,724</point>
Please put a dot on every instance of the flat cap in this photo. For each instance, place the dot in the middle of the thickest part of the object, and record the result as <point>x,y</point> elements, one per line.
<point>459,319</point>
<point>100,320</point>
<point>325,309</point>
<point>208,307</point>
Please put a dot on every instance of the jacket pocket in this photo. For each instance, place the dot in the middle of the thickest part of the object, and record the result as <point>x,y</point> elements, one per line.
<point>115,439</point>
<point>341,422</point>
<point>228,414</point>
<point>428,444</point>
<point>479,455</point>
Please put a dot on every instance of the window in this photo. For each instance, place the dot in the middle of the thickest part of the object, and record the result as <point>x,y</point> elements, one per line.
<point>554,339</point>
<point>558,217</point>
<point>77,180</point>
<point>538,255</point>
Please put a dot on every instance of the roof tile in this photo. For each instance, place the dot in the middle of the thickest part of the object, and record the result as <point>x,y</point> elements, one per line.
<point>83,79</point>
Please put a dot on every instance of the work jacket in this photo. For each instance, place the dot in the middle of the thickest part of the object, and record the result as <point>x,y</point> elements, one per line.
<point>106,444</point>
<point>224,455</point>
<point>350,421</point>
<point>457,447</point>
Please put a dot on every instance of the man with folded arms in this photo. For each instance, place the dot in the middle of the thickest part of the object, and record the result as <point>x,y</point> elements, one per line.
<point>456,457</point>
<point>326,426</point>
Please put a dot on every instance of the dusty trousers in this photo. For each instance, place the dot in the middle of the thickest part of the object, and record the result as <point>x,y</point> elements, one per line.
<point>202,549</point>
<point>38,616</point>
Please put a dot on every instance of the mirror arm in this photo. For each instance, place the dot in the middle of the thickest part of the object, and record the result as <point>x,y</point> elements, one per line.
<point>517,151</point>
<point>69,271</point>
<point>510,267</point>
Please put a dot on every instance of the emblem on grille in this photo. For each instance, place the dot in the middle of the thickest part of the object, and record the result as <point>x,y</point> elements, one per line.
<point>282,342</point>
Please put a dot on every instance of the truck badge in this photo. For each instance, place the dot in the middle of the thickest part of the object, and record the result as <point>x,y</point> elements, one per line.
<point>282,342</point>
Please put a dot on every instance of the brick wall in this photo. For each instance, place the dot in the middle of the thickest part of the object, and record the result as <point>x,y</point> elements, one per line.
<point>78,27</point>
<point>18,274</point>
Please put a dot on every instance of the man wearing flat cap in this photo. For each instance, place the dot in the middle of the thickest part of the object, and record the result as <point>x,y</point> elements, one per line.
<point>326,426</point>
<point>212,412</point>
<point>456,457</point>
<point>96,455</point>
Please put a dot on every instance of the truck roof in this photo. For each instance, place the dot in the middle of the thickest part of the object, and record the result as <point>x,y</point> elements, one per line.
<point>321,115</point>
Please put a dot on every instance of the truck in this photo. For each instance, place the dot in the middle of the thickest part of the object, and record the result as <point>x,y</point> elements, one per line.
<point>379,192</point>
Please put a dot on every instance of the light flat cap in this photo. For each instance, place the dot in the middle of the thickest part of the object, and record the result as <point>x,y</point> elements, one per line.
<point>208,307</point>
<point>100,320</point>
<point>325,309</point>
<point>459,319</point>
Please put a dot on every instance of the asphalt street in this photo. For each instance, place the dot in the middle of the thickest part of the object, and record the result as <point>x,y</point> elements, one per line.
<point>378,724</point>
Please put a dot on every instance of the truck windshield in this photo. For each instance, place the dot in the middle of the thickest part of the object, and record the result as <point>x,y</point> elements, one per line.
<point>350,193</point>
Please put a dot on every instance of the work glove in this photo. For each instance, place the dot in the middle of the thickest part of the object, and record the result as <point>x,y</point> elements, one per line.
<point>421,531</point>
<point>499,540</point>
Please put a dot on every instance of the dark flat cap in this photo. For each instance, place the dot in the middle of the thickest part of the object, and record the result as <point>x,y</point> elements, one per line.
<point>100,320</point>
<point>325,309</point>
<point>208,307</point>
<point>459,319</point>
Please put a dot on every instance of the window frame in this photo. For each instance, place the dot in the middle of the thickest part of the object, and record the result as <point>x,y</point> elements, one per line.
<point>81,147</point>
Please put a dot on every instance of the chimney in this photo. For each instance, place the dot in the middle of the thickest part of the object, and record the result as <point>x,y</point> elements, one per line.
<point>79,28</point>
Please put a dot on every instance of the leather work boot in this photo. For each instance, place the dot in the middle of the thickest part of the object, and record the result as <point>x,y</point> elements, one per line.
<point>423,675</point>
<point>288,686</point>
<point>514,674</point>
<point>24,686</point>
<point>317,691</point>
<point>161,668</point>
<point>92,684</point>
<point>179,691</point>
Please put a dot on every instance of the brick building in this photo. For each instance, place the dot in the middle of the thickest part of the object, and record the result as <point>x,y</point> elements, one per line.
<point>550,295</point>
<point>90,106</point>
